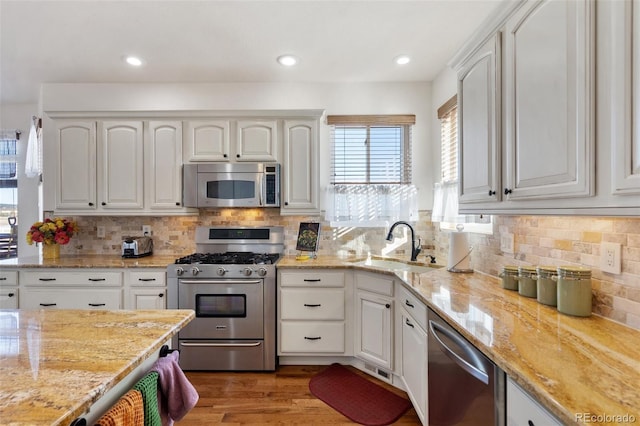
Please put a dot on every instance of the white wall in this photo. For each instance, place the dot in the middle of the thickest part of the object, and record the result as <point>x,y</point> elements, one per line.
<point>19,117</point>
<point>344,98</point>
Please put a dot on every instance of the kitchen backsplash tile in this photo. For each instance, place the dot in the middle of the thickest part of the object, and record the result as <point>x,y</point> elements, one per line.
<point>539,240</point>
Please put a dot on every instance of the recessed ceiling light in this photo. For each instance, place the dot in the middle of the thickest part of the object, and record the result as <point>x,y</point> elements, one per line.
<point>133,61</point>
<point>402,60</point>
<point>287,60</point>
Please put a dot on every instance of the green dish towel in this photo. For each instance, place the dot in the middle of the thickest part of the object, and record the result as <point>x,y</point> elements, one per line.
<point>148,386</point>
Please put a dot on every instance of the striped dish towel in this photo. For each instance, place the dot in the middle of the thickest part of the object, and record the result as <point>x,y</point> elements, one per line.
<point>128,411</point>
<point>148,386</point>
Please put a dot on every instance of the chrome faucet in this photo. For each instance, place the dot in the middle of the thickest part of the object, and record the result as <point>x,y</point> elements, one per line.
<point>414,249</point>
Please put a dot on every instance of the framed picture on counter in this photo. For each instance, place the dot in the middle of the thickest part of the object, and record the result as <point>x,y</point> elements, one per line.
<point>308,236</point>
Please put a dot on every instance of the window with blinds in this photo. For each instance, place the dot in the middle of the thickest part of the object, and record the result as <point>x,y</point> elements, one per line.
<point>448,116</point>
<point>370,170</point>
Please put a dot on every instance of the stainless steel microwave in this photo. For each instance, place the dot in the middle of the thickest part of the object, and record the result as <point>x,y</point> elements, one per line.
<point>231,185</point>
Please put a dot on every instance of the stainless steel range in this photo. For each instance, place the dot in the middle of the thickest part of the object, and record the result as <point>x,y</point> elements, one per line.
<point>231,285</point>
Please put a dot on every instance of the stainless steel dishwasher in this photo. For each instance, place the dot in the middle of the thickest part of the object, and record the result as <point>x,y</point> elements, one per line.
<point>465,387</point>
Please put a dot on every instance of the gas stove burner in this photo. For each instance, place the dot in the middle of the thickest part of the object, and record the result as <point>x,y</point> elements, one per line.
<point>230,258</point>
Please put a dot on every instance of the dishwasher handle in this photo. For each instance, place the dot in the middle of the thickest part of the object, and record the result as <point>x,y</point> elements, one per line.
<point>476,372</point>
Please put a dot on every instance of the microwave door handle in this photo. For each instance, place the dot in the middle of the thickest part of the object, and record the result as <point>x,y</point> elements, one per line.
<point>262,189</point>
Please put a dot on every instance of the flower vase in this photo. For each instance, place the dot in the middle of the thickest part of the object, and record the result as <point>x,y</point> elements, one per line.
<point>50,251</point>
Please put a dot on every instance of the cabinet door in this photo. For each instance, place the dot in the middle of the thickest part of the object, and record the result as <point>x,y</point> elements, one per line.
<point>625,97</point>
<point>549,109</point>
<point>163,178</point>
<point>479,124</point>
<point>257,140</point>
<point>9,298</point>
<point>373,335</point>
<point>206,140</point>
<point>300,167</point>
<point>524,410</point>
<point>147,298</point>
<point>414,363</point>
<point>121,165</point>
<point>76,163</point>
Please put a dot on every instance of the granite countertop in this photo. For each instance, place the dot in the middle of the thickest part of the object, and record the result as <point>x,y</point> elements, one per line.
<point>571,365</point>
<point>54,364</point>
<point>90,261</point>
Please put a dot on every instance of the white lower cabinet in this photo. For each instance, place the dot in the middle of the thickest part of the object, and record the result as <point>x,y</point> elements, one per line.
<point>374,319</point>
<point>145,289</point>
<point>414,363</point>
<point>312,314</point>
<point>9,290</point>
<point>522,409</point>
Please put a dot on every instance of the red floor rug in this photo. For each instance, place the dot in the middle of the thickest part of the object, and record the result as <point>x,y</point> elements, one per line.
<point>357,398</point>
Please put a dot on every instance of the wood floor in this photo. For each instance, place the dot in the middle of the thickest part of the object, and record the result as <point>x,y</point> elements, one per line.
<point>283,397</point>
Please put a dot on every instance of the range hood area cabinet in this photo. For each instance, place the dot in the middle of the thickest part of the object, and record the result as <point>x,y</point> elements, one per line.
<point>209,140</point>
<point>527,106</point>
<point>115,167</point>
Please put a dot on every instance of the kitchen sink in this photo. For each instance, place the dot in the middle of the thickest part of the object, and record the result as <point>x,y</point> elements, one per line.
<point>396,265</point>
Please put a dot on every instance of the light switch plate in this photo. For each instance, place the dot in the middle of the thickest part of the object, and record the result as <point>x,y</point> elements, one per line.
<point>100,231</point>
<point>507,243</point>
<point>611,257</point>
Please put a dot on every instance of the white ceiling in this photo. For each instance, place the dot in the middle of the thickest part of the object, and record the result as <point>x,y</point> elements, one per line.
<point>83,41</point>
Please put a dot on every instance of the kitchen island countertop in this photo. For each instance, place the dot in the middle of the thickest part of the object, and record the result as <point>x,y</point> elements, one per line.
<point>578,368</point>
<point>54,364</point>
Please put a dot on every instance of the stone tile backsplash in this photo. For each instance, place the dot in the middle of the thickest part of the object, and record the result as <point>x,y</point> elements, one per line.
<point>539,240</point>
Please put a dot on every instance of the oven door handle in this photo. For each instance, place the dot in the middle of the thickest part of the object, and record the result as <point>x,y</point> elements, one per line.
<point>220,282</point>
<point>220,345</point>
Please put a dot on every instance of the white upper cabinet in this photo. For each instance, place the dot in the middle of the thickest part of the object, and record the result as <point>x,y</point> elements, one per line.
<point>206,140</point>
<point>479,124</point>
<point>549,100</point>
<point>300,167</point>
<point>257,140</point>
<point>164,165</point>
<point>120,171</point>
<point>625,97</point>
<point>75,186</point>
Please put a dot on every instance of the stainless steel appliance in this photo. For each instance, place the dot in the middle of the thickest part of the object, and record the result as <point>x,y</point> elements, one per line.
<point>231,185</point>
<point>230,282</point>
<point>137,247</point>
<point>465,387</point>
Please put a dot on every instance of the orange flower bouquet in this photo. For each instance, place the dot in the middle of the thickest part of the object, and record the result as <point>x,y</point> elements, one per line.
<point>52,231</point>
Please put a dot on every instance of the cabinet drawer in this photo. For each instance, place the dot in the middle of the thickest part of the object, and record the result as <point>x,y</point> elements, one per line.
<point>413,306</point>
<point>376,283</point>
<point>311,278</point>
<point>71,278</point>
<point>8,278</point>
<point>523,410</point>
<point>147,278</point>
<point>312,304</point>
<point>312,337</point>
<point>36,298</point>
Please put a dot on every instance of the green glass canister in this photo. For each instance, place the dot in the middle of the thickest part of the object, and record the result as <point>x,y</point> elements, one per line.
<point>574,291</point>
<point>509,277</point>
<point>527,281</point>
<point>547,287</point>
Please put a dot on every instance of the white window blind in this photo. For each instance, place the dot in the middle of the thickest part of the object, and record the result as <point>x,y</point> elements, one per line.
<point>448,115</point>
<point>371,170</point>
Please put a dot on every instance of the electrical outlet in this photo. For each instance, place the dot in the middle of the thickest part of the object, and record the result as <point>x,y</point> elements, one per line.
<point>146,230</point>
<point>507,243</point>
<point>611,257</point>
<point>100,231</point>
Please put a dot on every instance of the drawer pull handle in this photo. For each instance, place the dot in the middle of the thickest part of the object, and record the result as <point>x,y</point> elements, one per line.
<point>48,304</point>
<point>11,294</point>
<point>46,279</point>
<point>97,279</point>
<point>161,295</point>
<point>406,321</point>
<point>146,279</point>
<point>314,280</point>
<point>3,278</point>
<point>97,304</point>
<point>312,338</point>
<point>387,306</point>
<point>308,305</point>
<point>531,423</point>
<point>406,302</point>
